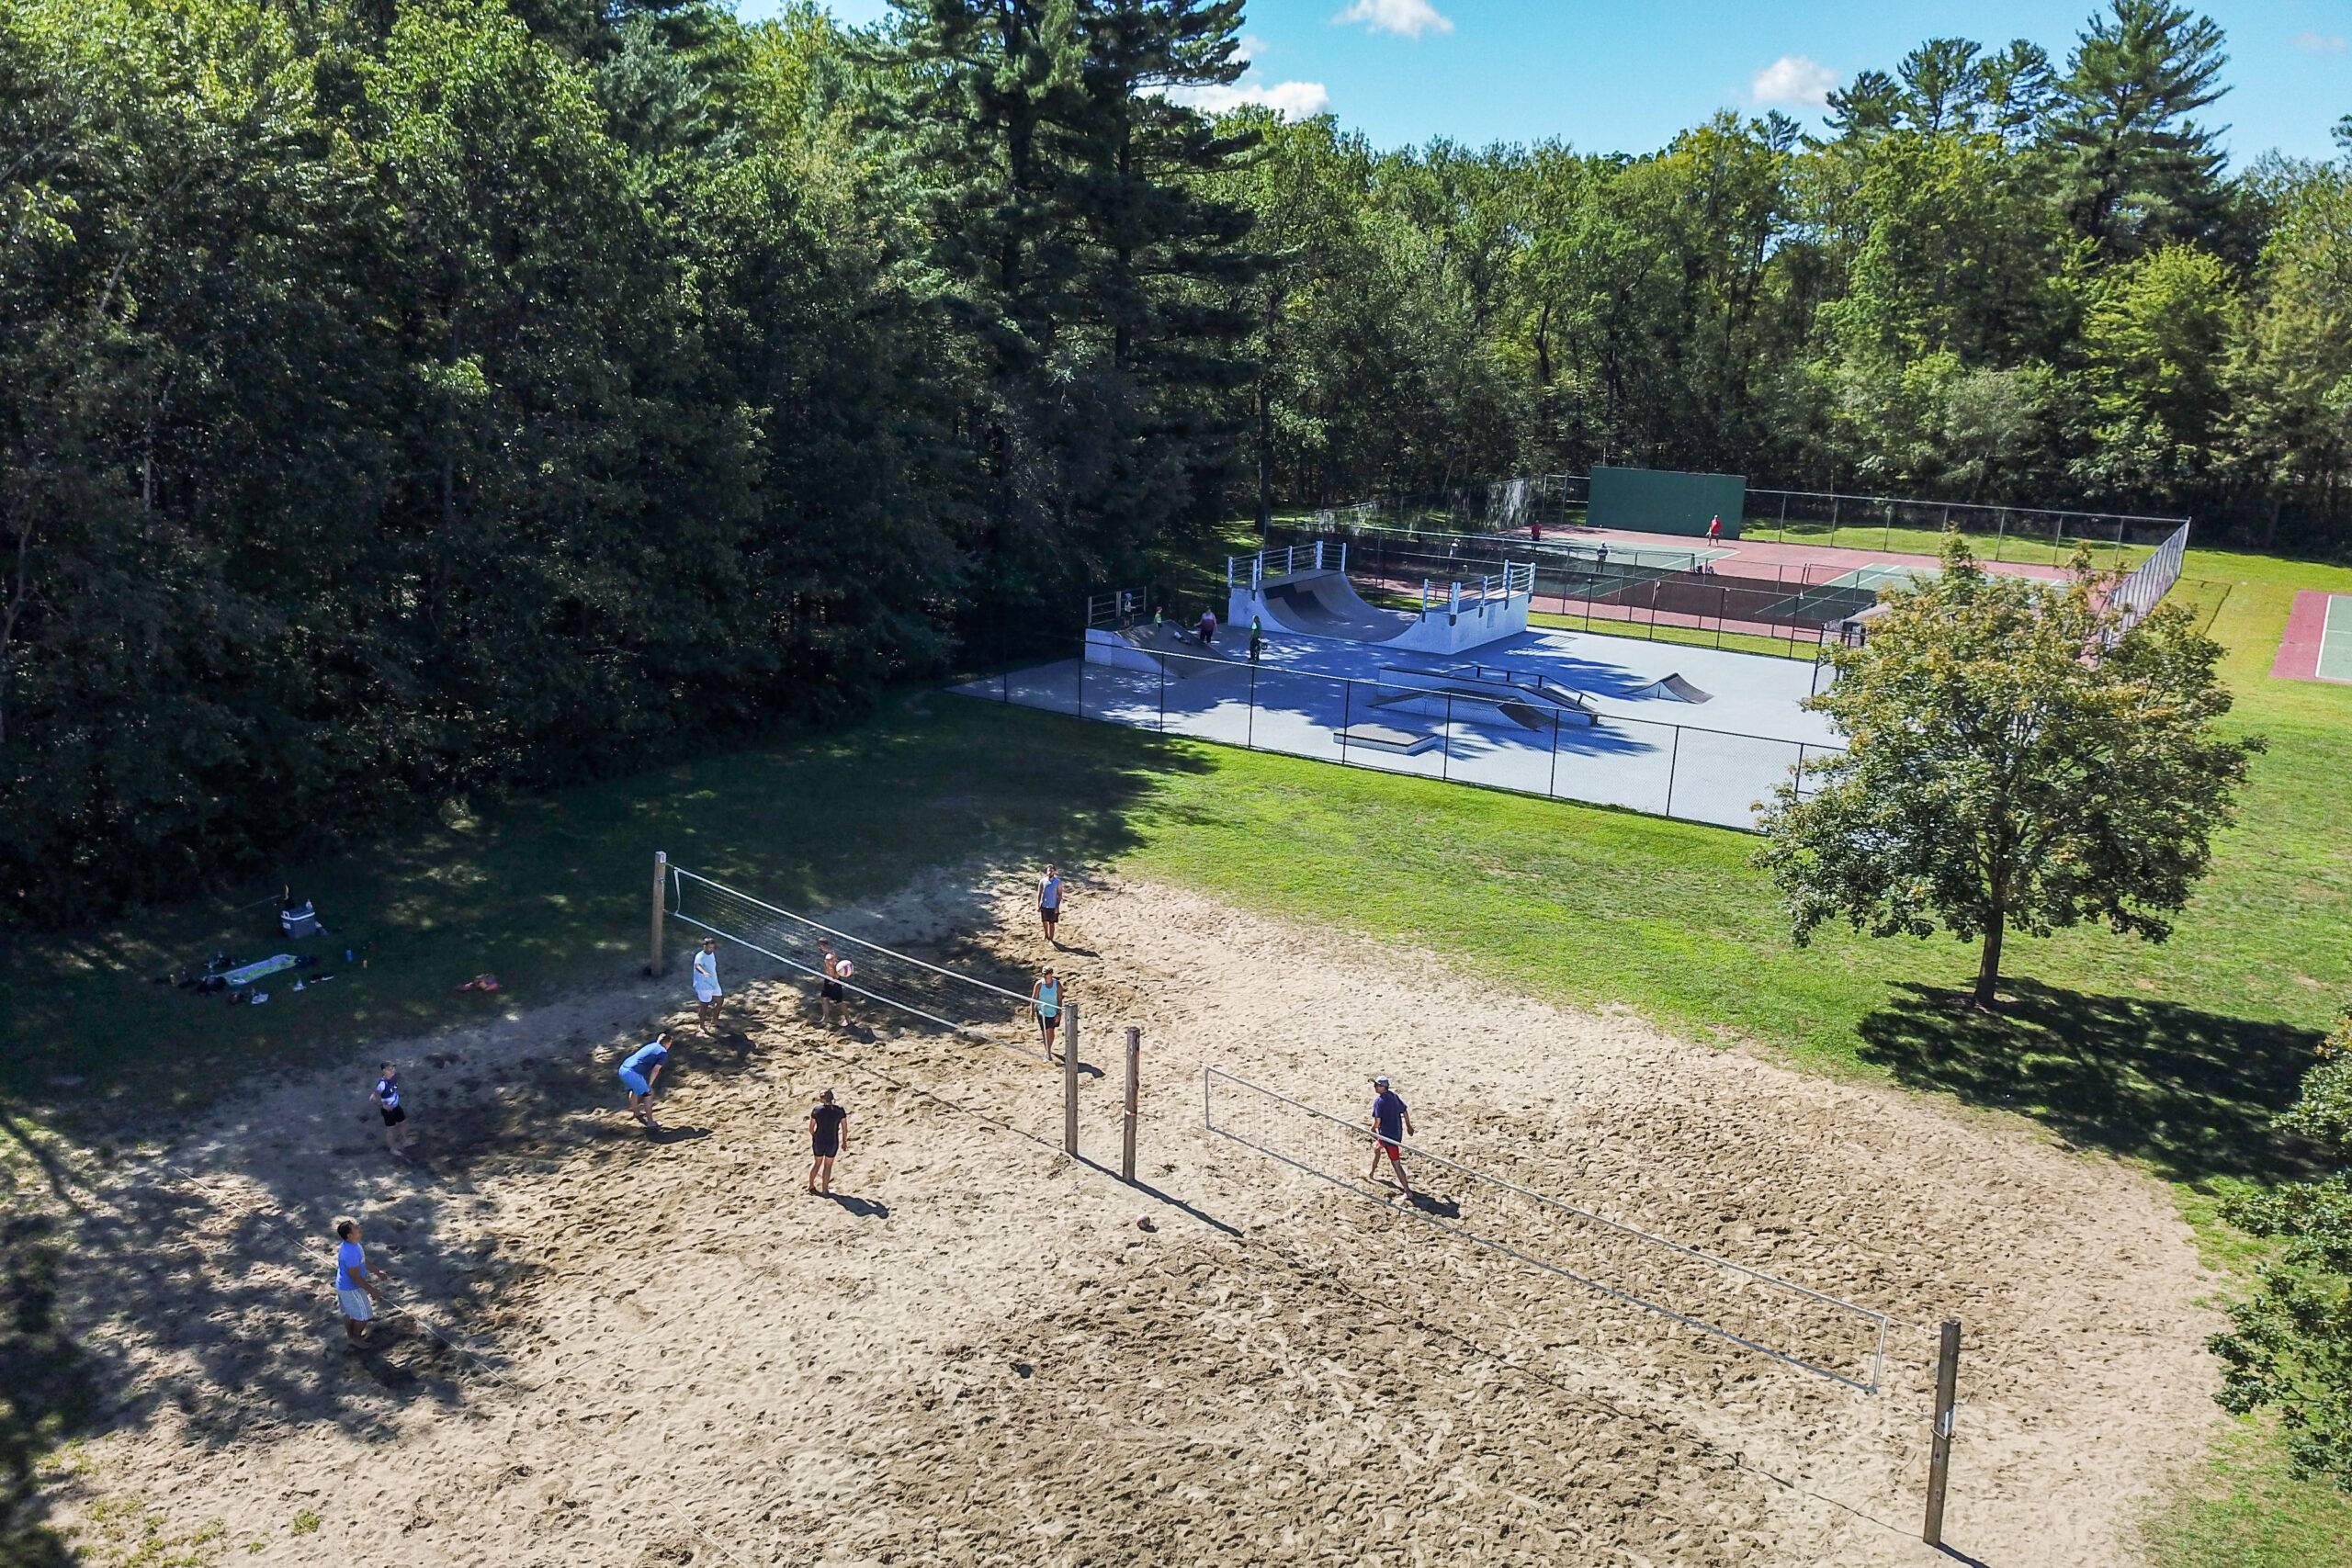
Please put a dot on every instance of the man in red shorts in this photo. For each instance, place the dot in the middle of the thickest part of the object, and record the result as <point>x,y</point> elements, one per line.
<point>1391,1121</point>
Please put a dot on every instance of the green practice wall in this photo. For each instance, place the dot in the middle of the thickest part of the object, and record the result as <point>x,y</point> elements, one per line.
<point>1660,500</point>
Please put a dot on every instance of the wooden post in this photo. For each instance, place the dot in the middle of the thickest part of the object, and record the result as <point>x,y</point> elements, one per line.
<point>1135,1067</point>
<point>1069,1079</point>
<point>1940,1455</point>
<point>661,889</point>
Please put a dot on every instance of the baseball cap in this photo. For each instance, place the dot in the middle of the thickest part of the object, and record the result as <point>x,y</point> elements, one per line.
<point>1381,1078</point>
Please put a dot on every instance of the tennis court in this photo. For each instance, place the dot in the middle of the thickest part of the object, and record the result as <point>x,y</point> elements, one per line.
<point>1848,595</point>
<point>2318,642</point>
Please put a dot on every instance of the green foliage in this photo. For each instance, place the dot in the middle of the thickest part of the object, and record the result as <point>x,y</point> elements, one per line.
<point>2017,760</point>
<point>2290,1349</point>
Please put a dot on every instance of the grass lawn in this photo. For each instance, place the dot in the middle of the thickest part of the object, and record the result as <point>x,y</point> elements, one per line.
<point>2175,1056</point>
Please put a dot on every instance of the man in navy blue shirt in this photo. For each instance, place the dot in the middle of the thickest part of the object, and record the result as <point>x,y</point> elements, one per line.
<point>1390,1123</point>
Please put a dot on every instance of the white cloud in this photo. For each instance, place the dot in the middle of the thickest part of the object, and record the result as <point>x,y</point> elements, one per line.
<point>1406,18</point>
<point>1794,79</point>
<point>1292,100</point>
<point>1249,47</point>
<point>2321,43</point>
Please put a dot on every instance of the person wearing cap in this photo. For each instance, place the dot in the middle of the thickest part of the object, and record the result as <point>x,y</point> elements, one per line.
<point>1391,1121</point>
<point>828,1137</point>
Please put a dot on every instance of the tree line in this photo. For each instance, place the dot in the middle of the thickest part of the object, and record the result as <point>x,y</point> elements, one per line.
<point>399,400</point>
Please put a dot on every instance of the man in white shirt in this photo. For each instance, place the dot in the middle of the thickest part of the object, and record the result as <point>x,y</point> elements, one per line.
<point>707,995</point>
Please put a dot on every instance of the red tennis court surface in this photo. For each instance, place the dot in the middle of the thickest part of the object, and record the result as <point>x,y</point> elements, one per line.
<point>1776,553</point>
<point>2304,652</point>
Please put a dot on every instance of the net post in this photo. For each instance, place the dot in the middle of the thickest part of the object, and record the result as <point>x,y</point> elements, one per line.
<point>661,886</point>
<point>1069,1079</point>
<point>1940,1455</point>
<point>1127,1138</point>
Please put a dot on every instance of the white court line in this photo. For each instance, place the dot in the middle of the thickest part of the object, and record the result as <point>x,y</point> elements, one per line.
<point>2328,633</point>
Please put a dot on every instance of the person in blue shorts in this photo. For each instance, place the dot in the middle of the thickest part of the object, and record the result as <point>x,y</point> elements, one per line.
<point>639,1073</point>
<point>1390,1121</point>
<point>355,1286</point>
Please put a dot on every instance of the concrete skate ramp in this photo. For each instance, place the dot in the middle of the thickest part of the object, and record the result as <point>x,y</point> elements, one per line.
<point>1674,688</point>
<point>1192,659</point>
<point>1325,604</point>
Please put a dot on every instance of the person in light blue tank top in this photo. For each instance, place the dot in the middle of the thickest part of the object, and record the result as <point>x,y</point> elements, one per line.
<point>1045,1004</point>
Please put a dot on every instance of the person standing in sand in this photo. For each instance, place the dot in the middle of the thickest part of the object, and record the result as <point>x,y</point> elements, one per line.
<point>1049,903</point>
<point>708,996</point>
<point>355,1287</point>
<point>1391,1121</point>
<point>827,1137</point>
<point>641,1072</point>
<point>387,1096</point>
<point>832,996</point>
<point>1045,1004</point>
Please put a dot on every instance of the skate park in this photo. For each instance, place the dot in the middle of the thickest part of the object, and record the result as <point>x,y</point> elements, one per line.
<point>1453,684</point>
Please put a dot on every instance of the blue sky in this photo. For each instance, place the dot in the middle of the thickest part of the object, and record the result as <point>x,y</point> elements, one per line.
<point>1623,75</point>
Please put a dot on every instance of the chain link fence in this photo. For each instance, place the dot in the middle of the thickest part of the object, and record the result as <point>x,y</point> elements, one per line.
<point>1689,771</point>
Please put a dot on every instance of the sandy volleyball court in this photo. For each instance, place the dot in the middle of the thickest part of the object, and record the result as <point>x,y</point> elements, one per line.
<point>672,1354</point>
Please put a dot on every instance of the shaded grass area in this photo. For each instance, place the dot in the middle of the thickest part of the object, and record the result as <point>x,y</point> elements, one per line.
<point>2178,1056</point>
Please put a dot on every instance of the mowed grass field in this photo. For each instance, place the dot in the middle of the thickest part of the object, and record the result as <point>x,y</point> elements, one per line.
<point>2175,1056</point>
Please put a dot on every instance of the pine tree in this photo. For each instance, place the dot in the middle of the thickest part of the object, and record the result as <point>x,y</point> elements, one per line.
<point>2138,171</point>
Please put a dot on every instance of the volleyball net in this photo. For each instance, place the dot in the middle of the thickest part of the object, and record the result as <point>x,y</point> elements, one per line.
<point>1762,1312</point>
<point>996,1010</point>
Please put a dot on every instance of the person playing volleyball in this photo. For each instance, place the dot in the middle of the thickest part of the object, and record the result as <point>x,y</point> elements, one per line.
<point>827,1137</point>
<point>831,991</point>
<point>706,992</point>
<point>640,1074</point>
<point>1391,1121</point>
<point>1046,1003</point>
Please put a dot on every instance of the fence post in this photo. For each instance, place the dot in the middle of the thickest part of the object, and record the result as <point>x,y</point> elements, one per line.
<point>1552,780</point>
<point>2000,530</point>
<point>1069,1079</point>
<point>1673,762</point>
<point>1163,695</point>
<point>1128,1142</point>
<point>1445,742</point>
<point>1347,717</point>
<point>1940,1455</point>
<point>660,886</point>
<point>1081,680</point>
<point>1723,608</point>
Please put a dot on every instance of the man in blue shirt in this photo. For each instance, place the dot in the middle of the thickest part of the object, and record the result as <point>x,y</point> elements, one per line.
<point>1390,1123</point>
<point>1049,902</point>
<point>638,1073</point>
<point>355,1287</point>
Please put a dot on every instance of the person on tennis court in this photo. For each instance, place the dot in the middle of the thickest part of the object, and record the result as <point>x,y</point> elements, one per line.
<point>1391,1121</point>
<point>1046,1003</point>
<point>1049,903</point>
<point>387,1096</point>
<point>827,1137</point>
<point>355,1285</point>
<point>708,996</point>
<point>833,998</point>
<point>639,1073</point>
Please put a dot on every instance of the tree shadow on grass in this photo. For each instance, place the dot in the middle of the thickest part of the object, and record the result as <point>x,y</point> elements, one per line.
<point>2193,1093</point>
